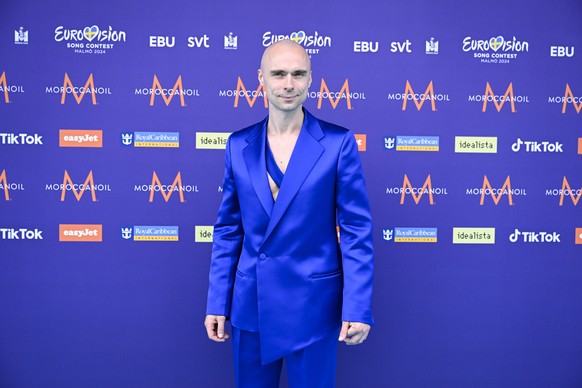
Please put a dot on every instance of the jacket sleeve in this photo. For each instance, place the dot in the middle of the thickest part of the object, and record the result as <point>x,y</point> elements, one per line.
<point>355,223</point>
<point>226,247</point>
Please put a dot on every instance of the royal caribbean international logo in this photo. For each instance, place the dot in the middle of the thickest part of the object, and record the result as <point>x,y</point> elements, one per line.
<point>410,235</point>
<point>312,43</point>
<point>568,98</point>
<point>419,99</point>
<point>412,143</point>
<point>150,233</point>
<point>7,88</point>
<point>167,94</point>
<point>90,39</point>
<point>498,99</point>
<point>151,139</point>
<point>417,192</point>
<point>7,186</point>
<point>496,49</point>
<point>566,191</point>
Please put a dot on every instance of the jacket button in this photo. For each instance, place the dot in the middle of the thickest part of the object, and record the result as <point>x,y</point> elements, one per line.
<point>262,256</point>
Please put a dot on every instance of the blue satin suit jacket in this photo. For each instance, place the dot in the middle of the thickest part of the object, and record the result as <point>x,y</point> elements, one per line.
<point>277,267</point>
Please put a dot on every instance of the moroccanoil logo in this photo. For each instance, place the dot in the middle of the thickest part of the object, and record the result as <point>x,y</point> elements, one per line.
<point>250,95</point>
<point>497,99</point>
<point>417,98</point>
<point>167,190</point>
<point>417,192</point>
<point>168,94</point>
<point>6,186</point>
<point>496,193</point>
<point>567,190</point>
<point>568,98</point>
<point>335,97</point>
<point>78,189</point>
<point>80,233</point>
<point>78,92</point>
<point>5,88</point>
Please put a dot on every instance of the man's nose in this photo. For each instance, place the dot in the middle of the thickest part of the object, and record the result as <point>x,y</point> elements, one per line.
<point>289,81</point>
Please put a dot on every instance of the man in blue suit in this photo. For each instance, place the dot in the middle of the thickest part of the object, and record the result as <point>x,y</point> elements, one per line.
<point>278,271</point>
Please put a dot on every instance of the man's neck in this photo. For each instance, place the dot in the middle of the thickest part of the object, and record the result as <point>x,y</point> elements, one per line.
<point>285,123</point>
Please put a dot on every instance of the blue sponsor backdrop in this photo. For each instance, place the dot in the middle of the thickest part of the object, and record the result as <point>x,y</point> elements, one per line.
<point>498,305</point>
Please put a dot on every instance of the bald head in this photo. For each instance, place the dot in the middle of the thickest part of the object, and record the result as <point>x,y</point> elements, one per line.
<point>287,48</point>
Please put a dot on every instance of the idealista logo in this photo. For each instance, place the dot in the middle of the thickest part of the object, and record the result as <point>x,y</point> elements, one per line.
<point>167,190</point>
<point>537,146</point>
<point>496,193</point>
<point>412,143</point>
<point>151,139</point>
<point>568,98</point>
<point>419,99</point>
<point>473,235</point>
<point>78,92</point>
<point>203,234</point>
<point>417,192</point>
<point>211,140</point>
<point>495,50</point>
<point>250,95</point>
<point>335,97</point>
<point>20,234</point>
<point>6,186</point>
<point>497,99</point>
<point>150,233</point>
<point>80,233</point>
<point>86,138</point>
<point>20,139</point>
<point>534,237</point>
<point>167,94</point>
<point>410,235</point>
<point>90,40</point>
<point>311,43</point>
<point>5,88</point>
<point>566,191</point>
<point>475,145</point>
<point>78,189</point>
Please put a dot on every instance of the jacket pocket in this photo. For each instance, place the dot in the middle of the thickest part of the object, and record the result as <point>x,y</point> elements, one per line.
<point>325,275</point>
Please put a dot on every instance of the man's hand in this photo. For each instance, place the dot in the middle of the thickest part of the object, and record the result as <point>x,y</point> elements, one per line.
<point>353,333</point>
<point>215,327</point>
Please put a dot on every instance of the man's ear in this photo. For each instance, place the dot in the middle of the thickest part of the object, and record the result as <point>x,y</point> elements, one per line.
<point>260,76</point>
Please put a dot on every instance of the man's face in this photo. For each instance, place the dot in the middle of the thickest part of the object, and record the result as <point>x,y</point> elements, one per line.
<point>286,75</point>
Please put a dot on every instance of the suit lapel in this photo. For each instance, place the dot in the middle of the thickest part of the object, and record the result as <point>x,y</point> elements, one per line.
<point>304,157</point>
<point>254,155</point>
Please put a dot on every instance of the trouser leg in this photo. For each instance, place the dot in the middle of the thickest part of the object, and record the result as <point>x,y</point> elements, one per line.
<point>248,370</point>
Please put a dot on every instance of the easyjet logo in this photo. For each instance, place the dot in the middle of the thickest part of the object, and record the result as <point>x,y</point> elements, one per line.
<point>80,138</point>
<point>80,232</point>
